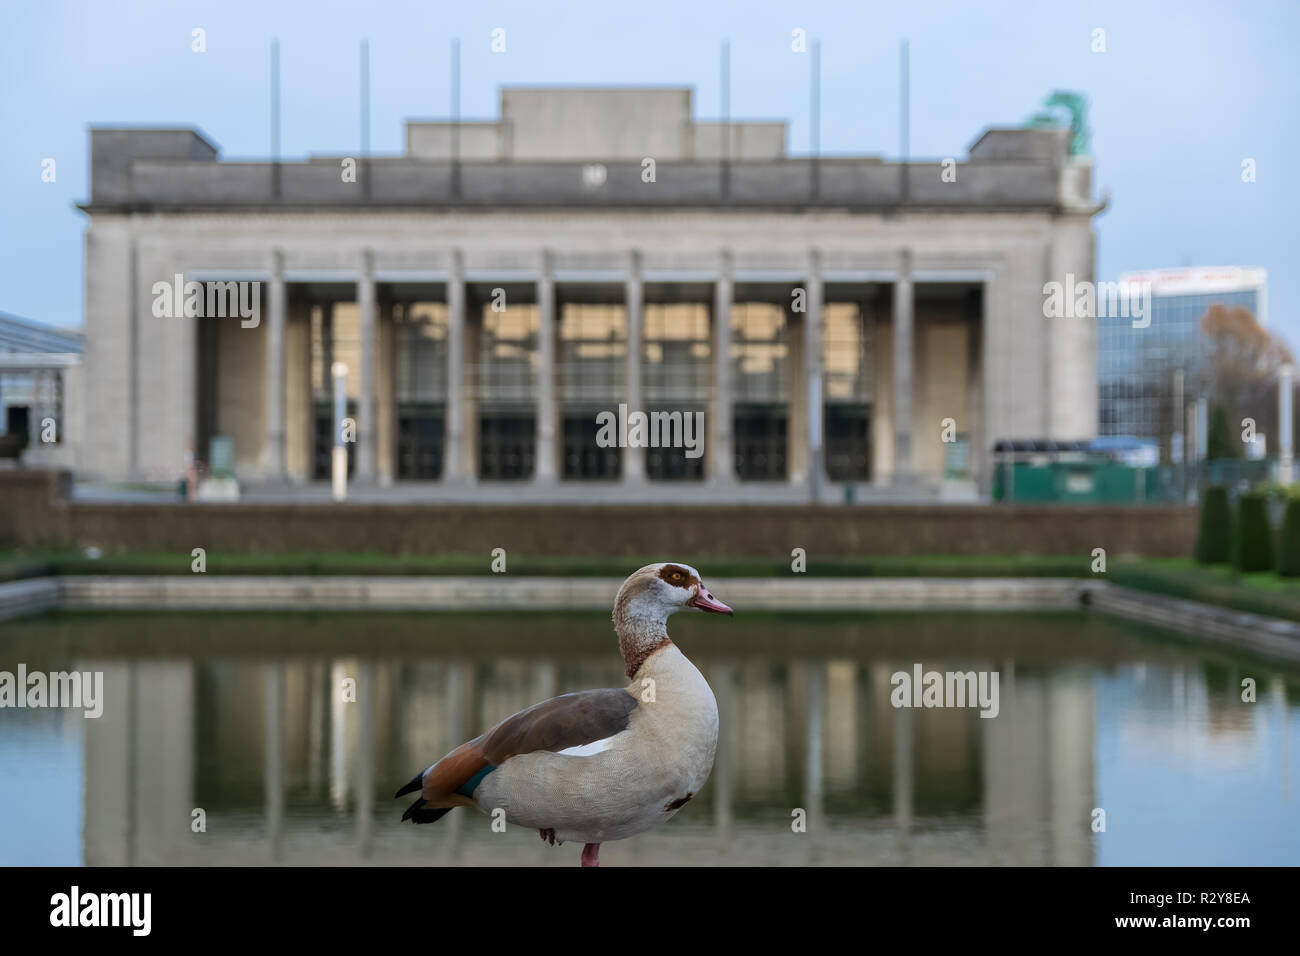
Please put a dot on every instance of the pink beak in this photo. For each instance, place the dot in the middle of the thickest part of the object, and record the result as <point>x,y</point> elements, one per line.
<point>707,602</point>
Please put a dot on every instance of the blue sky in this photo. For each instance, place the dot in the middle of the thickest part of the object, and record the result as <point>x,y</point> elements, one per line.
<point>1183,93</point>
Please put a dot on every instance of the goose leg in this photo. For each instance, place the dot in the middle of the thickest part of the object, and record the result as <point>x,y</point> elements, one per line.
<point>591,854</point>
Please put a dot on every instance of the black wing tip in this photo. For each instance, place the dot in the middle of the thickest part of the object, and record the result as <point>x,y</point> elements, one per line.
<point>416,814</point>
<point>416,783</point>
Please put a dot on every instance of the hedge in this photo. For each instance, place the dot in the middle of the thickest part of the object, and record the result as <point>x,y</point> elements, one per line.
<point>1288,545</point>
<point>1214,543</point>
<point>1253,545</point>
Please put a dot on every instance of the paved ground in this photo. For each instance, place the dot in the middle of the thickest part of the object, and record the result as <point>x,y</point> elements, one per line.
<point>557,493</point>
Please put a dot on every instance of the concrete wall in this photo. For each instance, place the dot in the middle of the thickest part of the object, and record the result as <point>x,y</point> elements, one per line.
<point>33,513</point>
<point>492,592</point>
<point>112,152</point>
<point>748,140</point>
<point>1072,358</point>
<point>532,183</point>
<point>165,367</point>
<point>942,387</point>
<point>473,141</point>
<point>1044,145</point>
<point>597,124</point>
<point>241,391</point>
<point>109,357</point>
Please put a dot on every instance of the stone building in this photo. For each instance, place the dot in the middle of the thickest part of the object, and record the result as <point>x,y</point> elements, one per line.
<point>836,320</point>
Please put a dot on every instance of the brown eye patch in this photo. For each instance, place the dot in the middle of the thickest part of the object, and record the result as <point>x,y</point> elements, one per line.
<point>678,577</point>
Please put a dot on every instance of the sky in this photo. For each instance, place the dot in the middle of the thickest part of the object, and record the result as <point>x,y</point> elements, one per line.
<point>1183,93</point>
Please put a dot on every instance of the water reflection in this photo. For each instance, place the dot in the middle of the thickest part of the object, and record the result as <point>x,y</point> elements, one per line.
<point>291,732</point>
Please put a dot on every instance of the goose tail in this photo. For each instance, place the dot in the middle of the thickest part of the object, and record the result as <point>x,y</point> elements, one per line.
<point>416,783</point>
<point>417,813</point>
<point>449,783</point>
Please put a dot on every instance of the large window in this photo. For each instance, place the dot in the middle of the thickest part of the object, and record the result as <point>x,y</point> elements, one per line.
<point>760,441</point>
<point>506,377</point>
<point>335,337</point>
<point>676,375</point>
<point>592,378</point>
<point>507,355</point>
<point>848,348</point>
<point>760,356</point>
<point>593,352</point>
<point>506,442</point>
<point>421,387</point>
<point>760,352</point>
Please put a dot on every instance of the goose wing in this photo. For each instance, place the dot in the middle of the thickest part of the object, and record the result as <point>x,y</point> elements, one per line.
<point>556,725</point>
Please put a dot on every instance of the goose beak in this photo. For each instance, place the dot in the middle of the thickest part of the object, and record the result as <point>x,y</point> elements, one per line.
<point>707,602</point>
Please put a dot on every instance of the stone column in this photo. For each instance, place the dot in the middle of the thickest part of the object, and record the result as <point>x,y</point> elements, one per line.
<point>904,469</point>
<point>453,467</point>
<point>634,310</point>
<point>367,425</point>
<point>814,784</point>
<point>1070,388</point>
<point>902,772</point>
<point>273,760</point>
<point>544,467</point>
<point>365,805</point>
<point>273,447</point>
<point>992,417</point>
<point>812,357</point>
<point>722,465</point>
<point>38,407</point>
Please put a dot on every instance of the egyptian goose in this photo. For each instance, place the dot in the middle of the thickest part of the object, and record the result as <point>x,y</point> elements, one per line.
<point>597,765</point>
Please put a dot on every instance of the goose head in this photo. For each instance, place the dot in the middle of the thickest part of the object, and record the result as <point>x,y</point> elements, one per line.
<point>658,590</point>
<point>646,600</point>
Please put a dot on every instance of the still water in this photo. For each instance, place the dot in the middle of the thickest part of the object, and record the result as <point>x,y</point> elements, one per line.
<point>229,738</point>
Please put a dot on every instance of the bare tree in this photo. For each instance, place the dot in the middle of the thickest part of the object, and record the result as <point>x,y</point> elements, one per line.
<point>1244,362</point>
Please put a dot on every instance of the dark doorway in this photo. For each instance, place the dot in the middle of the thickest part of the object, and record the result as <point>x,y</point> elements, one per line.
<point>17,421</point>
<point>760,442</point>
<point>324,441</point>
<point>419,441</point>
<point>507,445</point>
<point>583,458</point>
<point>848,442</point>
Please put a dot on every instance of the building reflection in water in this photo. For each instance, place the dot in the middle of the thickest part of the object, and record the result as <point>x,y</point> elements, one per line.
<point>293,760</point>
<point>288,768</point>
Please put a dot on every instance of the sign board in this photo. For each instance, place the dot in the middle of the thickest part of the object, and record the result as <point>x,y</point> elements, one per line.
<point>221,456</point>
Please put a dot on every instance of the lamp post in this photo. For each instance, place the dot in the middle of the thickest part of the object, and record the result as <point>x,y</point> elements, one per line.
<point>339,455</point>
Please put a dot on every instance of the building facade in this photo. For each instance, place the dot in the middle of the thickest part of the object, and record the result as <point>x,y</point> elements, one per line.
<point>502,284</point>
<point>1150,376</point>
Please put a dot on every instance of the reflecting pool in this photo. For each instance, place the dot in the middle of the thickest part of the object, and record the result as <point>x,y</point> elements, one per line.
<point>280,738</point>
